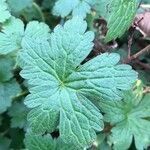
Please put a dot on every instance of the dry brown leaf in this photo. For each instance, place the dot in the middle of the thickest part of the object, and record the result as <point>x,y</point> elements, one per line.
<point>142,22</point>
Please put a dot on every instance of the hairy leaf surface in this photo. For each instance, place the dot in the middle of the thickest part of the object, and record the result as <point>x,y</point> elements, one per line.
<point>119,15</point>
<point>13,32</point>
<point>130,118</point>
<point>77,7</point>
<point>60,86</point>
<point>46,142</point>
<point>39,142</point>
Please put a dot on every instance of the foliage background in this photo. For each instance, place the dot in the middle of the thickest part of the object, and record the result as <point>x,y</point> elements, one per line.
<point>14,89</point>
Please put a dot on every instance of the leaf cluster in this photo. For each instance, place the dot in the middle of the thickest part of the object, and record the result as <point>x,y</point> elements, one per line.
<point>61,86</point>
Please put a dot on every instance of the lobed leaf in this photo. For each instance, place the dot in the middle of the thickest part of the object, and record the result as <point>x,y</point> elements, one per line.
<point>13,33</point>
<point>130,119</point>
<point>34,142</point>
<point>60,86</point>
<point>46,142</point>
<point>77,7</point>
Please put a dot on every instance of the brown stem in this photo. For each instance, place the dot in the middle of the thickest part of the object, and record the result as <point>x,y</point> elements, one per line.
<point>130,44</point>
<point>138,54</point>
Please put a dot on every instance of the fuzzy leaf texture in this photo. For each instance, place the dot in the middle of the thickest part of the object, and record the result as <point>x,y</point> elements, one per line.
<point>61,88</point>
<point>4,13</point>
<point>76,7</point>
<point>130,120</point>
<point>46,142</point>
<point>119,15</point>
<point>34,142</point>
<point>13,32</point>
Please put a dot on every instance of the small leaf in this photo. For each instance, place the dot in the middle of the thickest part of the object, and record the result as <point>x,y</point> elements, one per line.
<point>130,120</point>
<point>19,5</point>
<point>77,7</point>
<point>13,33</point>
<point>34,142</point>
<point>46,142</point>
<point>4,13</point>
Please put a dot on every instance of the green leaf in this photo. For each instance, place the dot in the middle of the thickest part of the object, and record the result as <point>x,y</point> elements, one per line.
<point>11,35</point>
<point>46,142</point>
<point>77,7</point>
<point>6,68</point>
<point>119,15</point>
<point>61,88</point>
<point>4,143</point>
<point>34,142</point>
<point>18,112</point>
<point>63,146</point>
<point>19,5</point>
<point>129,120</point>
<point>48,4</point>
<point>4,13</point>
<point>13,32</point>
<point>34,12</point>
<point>8,90</point>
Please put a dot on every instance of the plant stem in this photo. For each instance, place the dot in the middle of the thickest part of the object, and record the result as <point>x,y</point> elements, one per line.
<point>141,52</point>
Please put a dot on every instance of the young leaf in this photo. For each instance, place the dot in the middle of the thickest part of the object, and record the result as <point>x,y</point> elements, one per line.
<point>130,119</point>
<point>13,32</point>
<point>61,88</point>
<point>46,142</point>
<point>8,90</point>
<point>34,142</point>
<point>4,13</point>
<point>119,15</point>
<point>77,7</point>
